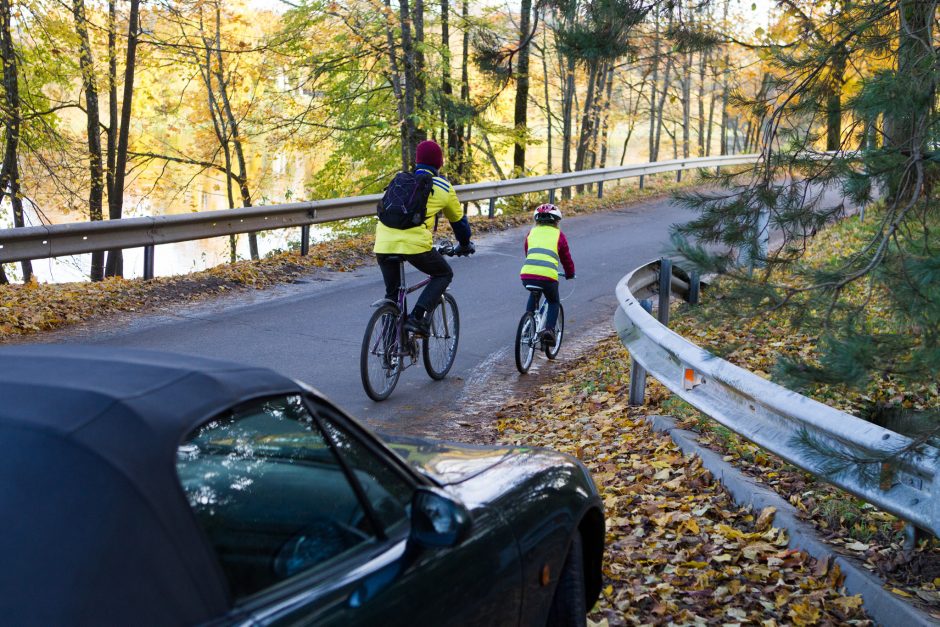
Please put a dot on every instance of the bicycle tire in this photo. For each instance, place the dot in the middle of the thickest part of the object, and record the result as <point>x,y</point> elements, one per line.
<point>439,349</point>
<point>380,367</point>
<point>552,351</point>
<point>525,342</point>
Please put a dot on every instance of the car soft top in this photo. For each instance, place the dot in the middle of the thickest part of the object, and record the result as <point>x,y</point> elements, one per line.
<point>88,488</point>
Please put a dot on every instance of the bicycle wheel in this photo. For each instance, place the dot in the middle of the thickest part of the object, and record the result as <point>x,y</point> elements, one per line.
<point>379,360</point>
<point>552,351</point>
<point>525,342</point>
<point>440,347</point>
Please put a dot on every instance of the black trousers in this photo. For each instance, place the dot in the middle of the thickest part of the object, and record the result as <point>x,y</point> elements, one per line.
<point>431,263</point>
<point>550,289</point>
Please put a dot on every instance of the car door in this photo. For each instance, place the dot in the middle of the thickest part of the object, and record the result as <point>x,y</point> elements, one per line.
<point>310,519</point>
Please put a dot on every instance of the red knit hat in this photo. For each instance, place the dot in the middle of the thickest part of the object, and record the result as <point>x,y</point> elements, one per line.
<point>429,153</point>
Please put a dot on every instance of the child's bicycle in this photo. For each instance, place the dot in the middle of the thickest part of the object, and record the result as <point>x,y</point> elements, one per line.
<point>529,333</point>
<point>387,348</point>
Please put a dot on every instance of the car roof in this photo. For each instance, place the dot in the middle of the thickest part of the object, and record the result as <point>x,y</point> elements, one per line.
<point>90,500</point>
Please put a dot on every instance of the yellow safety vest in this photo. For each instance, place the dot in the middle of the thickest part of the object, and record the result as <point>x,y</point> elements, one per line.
<point>542,258</point>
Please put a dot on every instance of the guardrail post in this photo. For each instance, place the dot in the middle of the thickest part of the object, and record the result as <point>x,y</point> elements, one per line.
<point>695,283</point>
<point>665,288</point>
<point>551,196</point>
<point>304,240</point>
<point>148,262</point>
<point>678,176</point>
<point>641,181</point>
<point>492,207</point>
<point>600,189</point>
<point>637,372</point>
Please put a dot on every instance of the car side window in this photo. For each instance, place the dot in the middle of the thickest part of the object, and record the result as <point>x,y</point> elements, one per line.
<point>388,492</point>
<point>270,494</point>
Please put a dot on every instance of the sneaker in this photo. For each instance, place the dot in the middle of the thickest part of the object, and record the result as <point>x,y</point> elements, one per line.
<point>421,328</point>
<point>548,338</point>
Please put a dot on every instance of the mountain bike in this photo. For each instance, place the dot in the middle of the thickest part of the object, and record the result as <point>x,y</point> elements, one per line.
<point>388,348</point>
<point>529,333</point>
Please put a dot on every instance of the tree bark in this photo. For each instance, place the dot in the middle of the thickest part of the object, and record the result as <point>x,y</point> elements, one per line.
<point>834,100</point>
<point>92,129</point>
<point>464,132</point>
<point>12,120</point>
<point>241,177</point>
<point>520,118</point>
<point>115,263</point>
<point>702,63</point>
<point>420,86</point>
<point>605,116</point>
<point>661,106</point>
<point>409,132</point>
<point>548,102</point>
<point>112,97</point>
<point>655,83</point>
<point>395,79</point>
<point>447,88</point>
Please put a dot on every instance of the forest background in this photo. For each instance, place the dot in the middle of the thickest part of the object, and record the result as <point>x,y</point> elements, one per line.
<point>210,104</point>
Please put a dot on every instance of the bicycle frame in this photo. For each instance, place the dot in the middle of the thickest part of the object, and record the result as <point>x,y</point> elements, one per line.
<point>402,302</point>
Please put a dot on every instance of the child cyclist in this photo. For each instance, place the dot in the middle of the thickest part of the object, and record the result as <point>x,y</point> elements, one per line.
<point>545,247</point>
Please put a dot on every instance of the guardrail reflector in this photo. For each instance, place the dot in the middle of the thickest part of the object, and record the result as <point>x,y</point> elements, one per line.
<point>690,379</point>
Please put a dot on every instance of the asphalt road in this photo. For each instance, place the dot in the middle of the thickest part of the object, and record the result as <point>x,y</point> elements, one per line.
<point>312,330</point>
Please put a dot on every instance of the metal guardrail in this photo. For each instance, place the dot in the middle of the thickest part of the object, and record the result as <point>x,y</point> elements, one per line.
<point>767,414</point>
<point>41,242</point>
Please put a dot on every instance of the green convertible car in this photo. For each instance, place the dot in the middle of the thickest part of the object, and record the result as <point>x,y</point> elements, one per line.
<point>143,488</point>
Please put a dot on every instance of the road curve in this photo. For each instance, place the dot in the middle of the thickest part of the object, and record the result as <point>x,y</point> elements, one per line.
<point>312,330</point>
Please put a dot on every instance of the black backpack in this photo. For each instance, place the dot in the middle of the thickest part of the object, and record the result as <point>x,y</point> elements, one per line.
<point>405,202</point>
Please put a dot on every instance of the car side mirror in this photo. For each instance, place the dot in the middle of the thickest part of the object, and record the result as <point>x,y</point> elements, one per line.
<point>438,519</point>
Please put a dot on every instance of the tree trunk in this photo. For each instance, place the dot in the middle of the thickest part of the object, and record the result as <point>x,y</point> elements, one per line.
<point>548,102</point>
<point>112,98</point>
<point>420,86</point>
<point>567,116</point>
<point>395,79</point>
<point>464,132</point>
<point>662,105</point>
<point>907,124</point>
<point>655,73</point>
<point>586,120</point>
<point>686,105</point>
<point>12,120</point>
<point>834,84</point>
<point>409,132</point>
<point>242,177</point>
<point>605,116</point>
<point>115,263</point>
<point>522,90</point>
<point>447,88</point>
<point>93,131</point>
<point>702,63</point>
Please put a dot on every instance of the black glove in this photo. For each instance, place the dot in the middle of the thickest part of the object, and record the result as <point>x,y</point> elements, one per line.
<point>568,277</point>
<point>465,249</point>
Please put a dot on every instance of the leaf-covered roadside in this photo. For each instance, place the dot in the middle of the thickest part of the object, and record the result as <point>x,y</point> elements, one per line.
<point>758,344</point>
<point>32,308</point>
<point>679,551</point>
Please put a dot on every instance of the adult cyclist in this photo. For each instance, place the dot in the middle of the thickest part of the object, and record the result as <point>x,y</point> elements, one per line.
<point>416,244</point>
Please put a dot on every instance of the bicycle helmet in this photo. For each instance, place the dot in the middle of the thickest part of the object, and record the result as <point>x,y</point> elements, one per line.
<point>547,213</point>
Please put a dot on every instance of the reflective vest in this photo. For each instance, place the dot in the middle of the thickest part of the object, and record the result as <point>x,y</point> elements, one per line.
<point>542,258</point>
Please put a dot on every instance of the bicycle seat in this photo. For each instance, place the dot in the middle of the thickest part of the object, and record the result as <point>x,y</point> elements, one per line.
<point>534,288</point>
<point>395,258</point>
